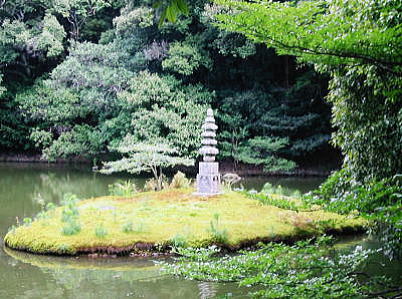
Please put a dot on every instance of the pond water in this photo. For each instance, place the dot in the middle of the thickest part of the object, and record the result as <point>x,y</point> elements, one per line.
<point>24,188</point>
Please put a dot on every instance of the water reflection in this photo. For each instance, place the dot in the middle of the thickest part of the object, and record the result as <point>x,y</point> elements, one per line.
<point>207,290</point>
<point>42,276</point>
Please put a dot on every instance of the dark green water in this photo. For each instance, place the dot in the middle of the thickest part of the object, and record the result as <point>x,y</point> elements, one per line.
<point>25,187</point>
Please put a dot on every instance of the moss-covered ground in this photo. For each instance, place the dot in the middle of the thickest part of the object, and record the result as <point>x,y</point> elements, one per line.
<point>153,221</point>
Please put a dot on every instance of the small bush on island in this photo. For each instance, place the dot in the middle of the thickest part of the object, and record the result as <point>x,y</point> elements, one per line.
<point>153,184</point>
<point>100,231</point>
<point>127,227</point>
<point>71,228</point>
<point>180,181</point>
<point>124,188</point>
<point>219,235</point>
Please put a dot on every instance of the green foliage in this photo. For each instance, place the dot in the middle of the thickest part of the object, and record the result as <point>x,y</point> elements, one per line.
<point>278,197</point>
<point>178,241</point>
<point>195,254</point>
<point>263,151</point>
<point>378,201</point>
<point>100,231</point>
<point>70,210</point>
<point>185,58</point>
<point>304,270</point>
<point>142,157</point>
<point>125,188</point>
<point>152,82</point>
<point>357,43</point>
<point>296,115</point>
<point>167,110</point>
<point>70,215</point>
<point>72,227</point>
<point>64,249</point>
<point>321,32</point>
<point>344,194</point>
<point>368,119</point>
<point>170,9</point>
<point>128,227</point>
<point>218,234</point>
<point>27,221</point>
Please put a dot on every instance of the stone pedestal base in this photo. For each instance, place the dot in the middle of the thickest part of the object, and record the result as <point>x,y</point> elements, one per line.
<point>208,179</point>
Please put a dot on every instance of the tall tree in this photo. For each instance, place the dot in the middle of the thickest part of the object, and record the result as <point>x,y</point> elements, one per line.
<point>359,43</point>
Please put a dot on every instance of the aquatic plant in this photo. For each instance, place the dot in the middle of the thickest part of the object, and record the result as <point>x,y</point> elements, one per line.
<point>308,269</point>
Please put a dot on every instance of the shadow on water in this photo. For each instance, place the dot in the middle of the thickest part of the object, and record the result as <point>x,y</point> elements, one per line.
<point>25,188</point>
<point>38,276</point>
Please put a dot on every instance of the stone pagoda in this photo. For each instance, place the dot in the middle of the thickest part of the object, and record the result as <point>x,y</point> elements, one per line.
<point>208,177</point>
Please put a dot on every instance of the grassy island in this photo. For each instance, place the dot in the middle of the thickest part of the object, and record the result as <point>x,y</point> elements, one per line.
<point>154,221</point>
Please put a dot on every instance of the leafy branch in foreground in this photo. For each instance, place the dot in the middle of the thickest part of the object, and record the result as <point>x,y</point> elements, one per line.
<point>329,32</point>
<point>171,9</point>
<point>358,44</point>
<point>379,201</point>
<point>143,157</point>
<point>304,270</point>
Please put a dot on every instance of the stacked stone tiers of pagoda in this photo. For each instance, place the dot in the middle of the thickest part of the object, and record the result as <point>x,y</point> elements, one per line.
<point>208,178</point>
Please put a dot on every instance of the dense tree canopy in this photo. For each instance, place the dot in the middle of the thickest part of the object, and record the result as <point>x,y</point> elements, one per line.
<point>153,79</point>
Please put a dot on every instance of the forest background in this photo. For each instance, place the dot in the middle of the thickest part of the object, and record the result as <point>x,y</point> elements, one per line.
<point>79,77</point>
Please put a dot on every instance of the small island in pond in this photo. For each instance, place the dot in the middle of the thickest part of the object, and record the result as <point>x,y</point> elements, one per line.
<point>150,222</point>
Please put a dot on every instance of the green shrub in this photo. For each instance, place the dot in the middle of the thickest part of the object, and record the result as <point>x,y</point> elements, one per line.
<point>125,188</point>
<point>27,221</point>
<point>100,231</point>
<point>178,241</point>
<point>282,202</point>
<point>152,184</point>
<point>70,212</point>
<point>64,248</point>
<point>127,227</point>
<point>180,181</point>
<point>71,228</point>
<point>219,235</point>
